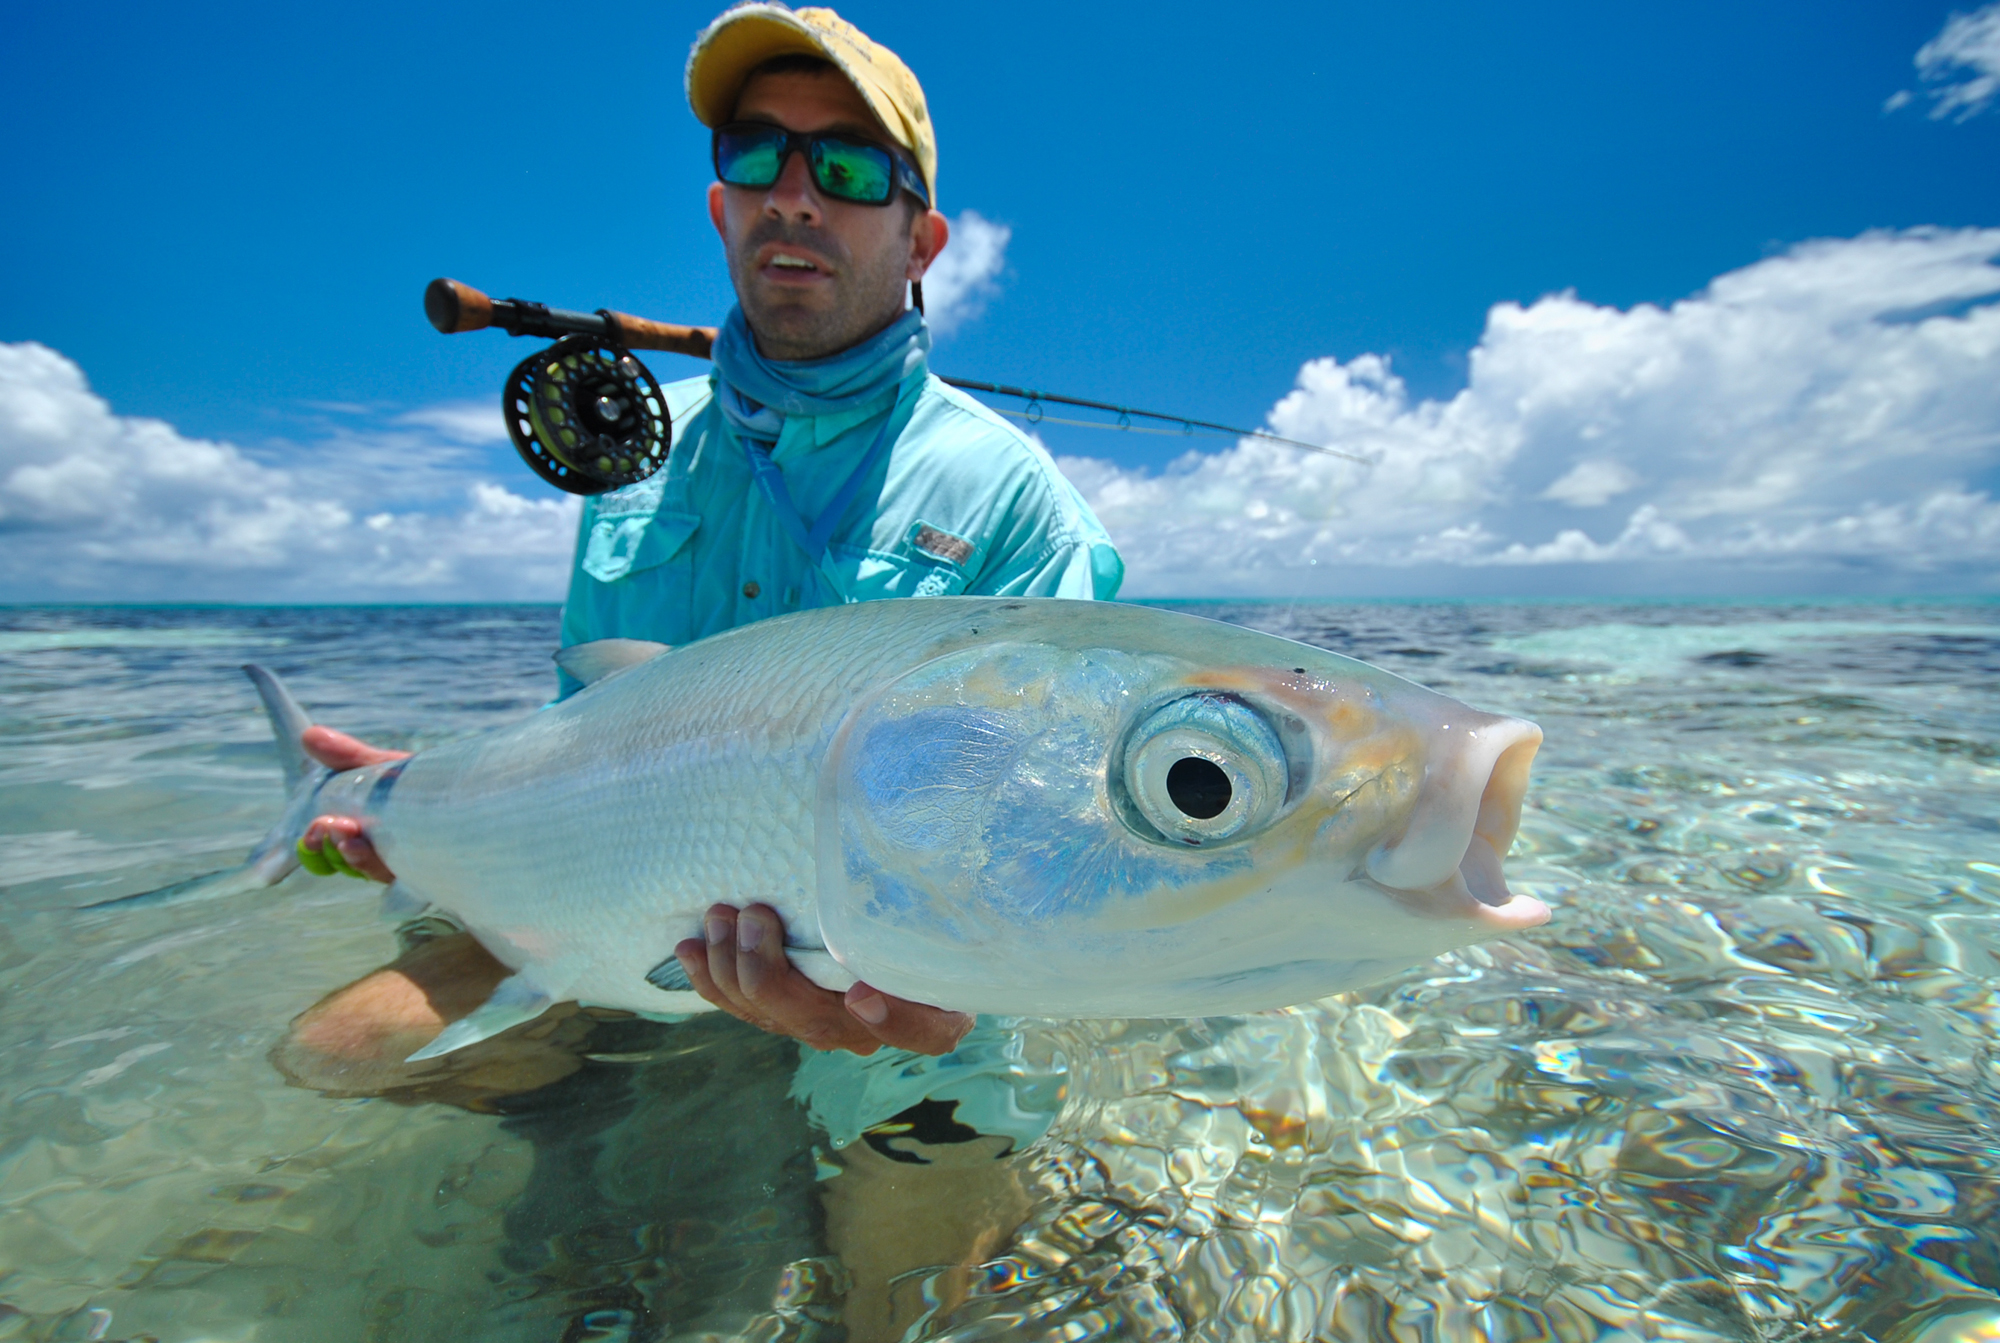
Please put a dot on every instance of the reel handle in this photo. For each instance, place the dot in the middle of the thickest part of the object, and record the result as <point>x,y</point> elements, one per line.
<point>453,307</point>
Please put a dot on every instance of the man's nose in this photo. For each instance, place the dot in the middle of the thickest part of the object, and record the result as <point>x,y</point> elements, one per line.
<point>793,195</point>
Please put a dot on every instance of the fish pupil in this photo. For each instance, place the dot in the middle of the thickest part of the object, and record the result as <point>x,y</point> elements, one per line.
<point>1198,787</point>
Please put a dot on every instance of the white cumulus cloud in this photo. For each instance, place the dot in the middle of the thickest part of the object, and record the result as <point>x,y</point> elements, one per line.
<point>1828,411</point>
<point>1961,64</point>
<point>1590,483</point>
<point>101,505</point>
<point>967,273</point>
<point>1824,418</point>
<point>465,421</point>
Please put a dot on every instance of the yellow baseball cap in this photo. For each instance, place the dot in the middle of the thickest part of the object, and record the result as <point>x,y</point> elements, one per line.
<point>746,36</point>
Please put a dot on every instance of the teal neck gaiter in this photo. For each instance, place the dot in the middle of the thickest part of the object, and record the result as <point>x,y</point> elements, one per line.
<point>842,381</point>
<point>757,394</point>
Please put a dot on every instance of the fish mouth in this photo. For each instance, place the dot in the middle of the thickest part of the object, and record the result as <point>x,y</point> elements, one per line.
<point>1447,863</point>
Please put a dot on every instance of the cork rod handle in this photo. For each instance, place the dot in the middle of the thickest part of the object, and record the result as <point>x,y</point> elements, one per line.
<point>454,307</point>
<point>642,333</point>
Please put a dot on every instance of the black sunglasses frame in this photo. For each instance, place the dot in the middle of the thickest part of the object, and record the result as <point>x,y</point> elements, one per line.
<point>905,174</point>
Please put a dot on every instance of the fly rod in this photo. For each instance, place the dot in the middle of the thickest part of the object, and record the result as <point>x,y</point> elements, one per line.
<point>586,416</point>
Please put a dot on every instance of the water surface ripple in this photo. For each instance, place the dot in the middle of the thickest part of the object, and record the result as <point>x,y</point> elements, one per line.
<point>1743,1086</point>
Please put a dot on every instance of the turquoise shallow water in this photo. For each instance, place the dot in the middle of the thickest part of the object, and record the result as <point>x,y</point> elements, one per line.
<point>1743,1086</point>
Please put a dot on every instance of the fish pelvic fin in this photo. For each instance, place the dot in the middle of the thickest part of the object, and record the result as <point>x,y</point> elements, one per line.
<point>516,999</point>
<point>591,662</point>
<point>288,723</point>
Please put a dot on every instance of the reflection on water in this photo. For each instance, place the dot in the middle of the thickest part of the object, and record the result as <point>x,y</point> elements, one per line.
<point>1743,1086</point>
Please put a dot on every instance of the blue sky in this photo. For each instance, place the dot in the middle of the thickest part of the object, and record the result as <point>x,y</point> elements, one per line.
<point>224,216</point>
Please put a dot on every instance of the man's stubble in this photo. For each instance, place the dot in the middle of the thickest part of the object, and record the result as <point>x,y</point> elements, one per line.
<point>867,294</point>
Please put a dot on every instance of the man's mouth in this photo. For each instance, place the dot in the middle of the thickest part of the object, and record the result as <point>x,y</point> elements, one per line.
<point>783,263</point>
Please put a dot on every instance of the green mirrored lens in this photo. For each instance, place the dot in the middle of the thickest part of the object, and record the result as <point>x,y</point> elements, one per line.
<point>748,158</point>
<point>853,172</point>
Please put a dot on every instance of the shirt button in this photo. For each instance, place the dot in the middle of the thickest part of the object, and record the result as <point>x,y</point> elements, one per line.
<point>750,590</point>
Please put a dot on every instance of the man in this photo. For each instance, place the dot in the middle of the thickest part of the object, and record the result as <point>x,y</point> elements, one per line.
<point>820,463</point>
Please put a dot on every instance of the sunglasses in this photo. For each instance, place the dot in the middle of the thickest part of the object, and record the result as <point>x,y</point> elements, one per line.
<point>752,154</point>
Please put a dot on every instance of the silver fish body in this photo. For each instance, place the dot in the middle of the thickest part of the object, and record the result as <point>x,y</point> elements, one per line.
<point>1044,808</point>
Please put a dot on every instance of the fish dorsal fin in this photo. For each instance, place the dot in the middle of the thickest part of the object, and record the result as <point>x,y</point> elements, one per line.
<point>288,722</point>
<point>592,662</point>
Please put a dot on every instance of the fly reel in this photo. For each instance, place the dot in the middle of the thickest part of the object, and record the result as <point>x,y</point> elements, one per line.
<point>586,416</point>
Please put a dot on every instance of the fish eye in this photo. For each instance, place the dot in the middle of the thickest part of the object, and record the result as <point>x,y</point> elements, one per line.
<point>1204,769</point>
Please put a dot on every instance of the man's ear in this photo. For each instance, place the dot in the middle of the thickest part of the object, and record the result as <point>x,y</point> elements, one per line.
<point>929,232</point>
<point>715,209</point>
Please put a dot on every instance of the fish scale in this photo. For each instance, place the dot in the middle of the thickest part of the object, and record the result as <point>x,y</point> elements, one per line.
<point>970,802</point>
<point>678,800</point>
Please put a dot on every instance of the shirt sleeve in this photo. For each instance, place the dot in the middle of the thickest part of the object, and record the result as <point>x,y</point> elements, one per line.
<point>576,608</point>
<point>1088,570</point>
<point>1042,538</point>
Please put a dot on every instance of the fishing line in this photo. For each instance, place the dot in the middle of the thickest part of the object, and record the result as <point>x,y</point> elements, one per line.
<point>1125,414</point>
<point>1178,433</point>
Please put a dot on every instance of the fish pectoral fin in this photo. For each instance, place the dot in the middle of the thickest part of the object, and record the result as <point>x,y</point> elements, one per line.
<point>818,965</point>
<point>592,662</point>
<point>514,1000</point>
<point>669,977</point>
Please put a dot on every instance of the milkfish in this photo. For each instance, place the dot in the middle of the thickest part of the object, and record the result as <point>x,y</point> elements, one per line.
<point>1031,807</point>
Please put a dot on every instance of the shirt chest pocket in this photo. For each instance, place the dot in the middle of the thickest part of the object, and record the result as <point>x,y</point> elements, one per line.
<point>871,575</point>
<point>618,546</point>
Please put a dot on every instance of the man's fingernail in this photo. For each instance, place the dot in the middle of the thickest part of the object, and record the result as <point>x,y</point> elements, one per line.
<point>718,931</point>
<point>749,932</point>
<point>874,1009</point>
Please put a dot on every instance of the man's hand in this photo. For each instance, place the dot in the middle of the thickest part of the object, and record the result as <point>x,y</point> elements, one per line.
<point>342,835</point>
<point>742,969</point>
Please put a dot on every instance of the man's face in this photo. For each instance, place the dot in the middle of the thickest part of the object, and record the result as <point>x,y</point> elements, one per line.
<point>816,275</point>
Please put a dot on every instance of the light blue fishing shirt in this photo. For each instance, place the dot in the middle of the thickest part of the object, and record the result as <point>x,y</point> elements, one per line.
<point>942,497</point>
<point>957,501</point>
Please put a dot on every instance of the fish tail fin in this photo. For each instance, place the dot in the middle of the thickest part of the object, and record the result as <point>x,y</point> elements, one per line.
<point>209,886</point>
<point>288,723</point>
<point>277,853</point>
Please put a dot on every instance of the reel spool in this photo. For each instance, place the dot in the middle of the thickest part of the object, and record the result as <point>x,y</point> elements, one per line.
<point>587,417</point>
